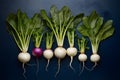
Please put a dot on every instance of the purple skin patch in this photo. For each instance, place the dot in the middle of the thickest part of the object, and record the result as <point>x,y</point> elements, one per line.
<point>37,52</point>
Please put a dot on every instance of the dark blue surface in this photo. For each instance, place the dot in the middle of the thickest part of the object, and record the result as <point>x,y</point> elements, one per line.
<point>108,68</point>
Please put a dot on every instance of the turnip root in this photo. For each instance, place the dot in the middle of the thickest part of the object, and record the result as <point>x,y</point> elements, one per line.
<point>72,51</point>
<point>83,57</point>
<point>21,27</point>
<point>94,58</point>
<point>82,43</point>
<point>60,53</point>
<point>37,52</point>
<point>48,54</point>
<point>37,36</point>
<point>24,57</point>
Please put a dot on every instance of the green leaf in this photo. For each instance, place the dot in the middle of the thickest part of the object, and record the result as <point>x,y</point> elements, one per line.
<point>47,19</point>
<point>108,33</point>
<point>98,25</point>
<point>21,28</point>
<point>104,29</point>
<point>82,29</point>
<point>54,14</point>
<point>85,22</point>
<point>78,19</point>
<point>67,14</point>
<point>94,28</point>
<point>92,19</point>
<point>11,22</point>
<point>38,30</point>
<point>59,22</point>
<point>44,14</point>
<point>61,18</point>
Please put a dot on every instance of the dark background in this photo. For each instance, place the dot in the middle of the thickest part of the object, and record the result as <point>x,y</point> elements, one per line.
<point>108,68</point>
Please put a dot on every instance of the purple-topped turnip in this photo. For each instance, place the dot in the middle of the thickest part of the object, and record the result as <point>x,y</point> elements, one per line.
<point>37,52</point>
<point>37,37</point>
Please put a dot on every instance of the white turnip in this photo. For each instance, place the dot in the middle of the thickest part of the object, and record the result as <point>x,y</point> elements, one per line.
<point>82,43</point>
<point>21,27</point>
<point>96,30</point>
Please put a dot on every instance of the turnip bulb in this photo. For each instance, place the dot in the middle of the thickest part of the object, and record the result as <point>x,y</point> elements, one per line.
<point>82,57</point>
<point>60,53</point>
<point>37,52</point>
<point>48,54</point>
<point>94,58</point>
<point>24,57</point>
<point>71,51</point>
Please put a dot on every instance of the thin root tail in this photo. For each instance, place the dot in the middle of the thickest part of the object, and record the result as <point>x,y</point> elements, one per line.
<point>31,64</point>
<point>58,68</point>
<point>24,70</point>
<point>93,66</point>
<point>70,65</point>
<point>82,69</point>
<point>37,69</point>
<point>47,64</point>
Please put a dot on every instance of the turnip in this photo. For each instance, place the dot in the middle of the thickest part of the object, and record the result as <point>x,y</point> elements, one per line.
<point>59,22</point>
<point>71,51</point>
<point>37,52</point>
<point>60,53</point>
<point>21,28</point>
<point>37,37</point>
<point>82,43</point>
<point>48,53</point>
<point>96,30</point>
<point>24,57</point>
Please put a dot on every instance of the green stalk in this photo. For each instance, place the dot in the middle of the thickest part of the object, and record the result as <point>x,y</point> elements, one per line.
<point>64,32</point>
<point>70,35</point>
<point>38,31</point>
<point>49,40</point>
<point>38,40</point>
<point>82,43</point>
<point>95,46</point>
